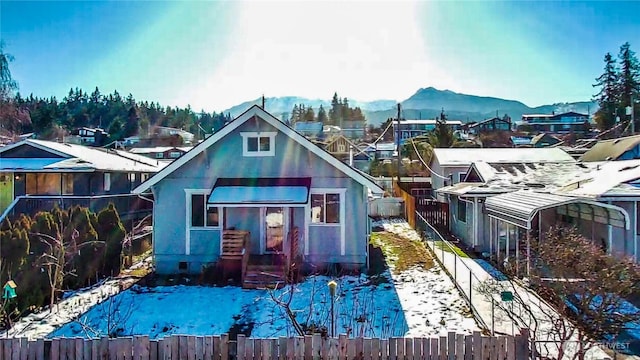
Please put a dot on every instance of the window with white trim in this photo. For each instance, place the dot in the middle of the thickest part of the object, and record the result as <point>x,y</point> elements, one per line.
<point>325,208</point>
<point>201,215</point>
<point>259,143</point>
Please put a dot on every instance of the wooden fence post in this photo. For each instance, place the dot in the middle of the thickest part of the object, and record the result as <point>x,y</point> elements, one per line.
<point>224,346</point>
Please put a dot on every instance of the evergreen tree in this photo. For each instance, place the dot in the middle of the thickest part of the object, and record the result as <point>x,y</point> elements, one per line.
<point>309,114</point>
<point>442,135</point>
<point>629,76</point>
<point>336,110</point>
<point>607,97</point>
<point>322,115</point>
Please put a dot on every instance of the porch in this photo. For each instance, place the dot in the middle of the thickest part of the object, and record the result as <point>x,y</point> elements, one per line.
<point>266,270</point>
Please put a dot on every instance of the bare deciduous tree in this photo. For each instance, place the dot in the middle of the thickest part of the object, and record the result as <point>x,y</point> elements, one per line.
<point>585,292</point>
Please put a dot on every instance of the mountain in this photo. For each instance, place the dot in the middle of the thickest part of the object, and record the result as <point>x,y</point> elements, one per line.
<point>278,106</point>
<point>426,103</point>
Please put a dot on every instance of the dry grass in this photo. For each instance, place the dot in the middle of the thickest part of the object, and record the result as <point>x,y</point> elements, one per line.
<point>401,253</point>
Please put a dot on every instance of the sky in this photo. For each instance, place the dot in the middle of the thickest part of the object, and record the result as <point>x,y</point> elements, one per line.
<point>212,55</point>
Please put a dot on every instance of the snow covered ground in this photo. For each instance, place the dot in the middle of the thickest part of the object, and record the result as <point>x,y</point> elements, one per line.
<point>415,302</point>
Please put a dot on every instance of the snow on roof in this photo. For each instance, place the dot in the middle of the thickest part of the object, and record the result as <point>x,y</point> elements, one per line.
<point>466,156</point>
<point>593,179</point>
<point>158,149</point>
<point>79,157</point>
<point>606,179</point>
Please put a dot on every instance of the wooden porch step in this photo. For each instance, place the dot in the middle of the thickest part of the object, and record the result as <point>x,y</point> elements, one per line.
<point>264,277</point>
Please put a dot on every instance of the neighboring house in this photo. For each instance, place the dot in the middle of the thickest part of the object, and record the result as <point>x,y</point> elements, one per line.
<point>413,128</point>
<point>489,125</point>
<point>161,152</point>
<point>569,122</point>
<point>499,208</point>
<point>163,131</point>
<point>48,169</point>
<point>310,129</point>
<point>331,130</point>
<point>381,151</point>
<point>624,148</point>
<point>348,152</point>
<point>449,165</point>
<point>340,147</point>
<point>544,140</point>
<point>88,136</point>
<point>258,175</point>
<point>353,129</point>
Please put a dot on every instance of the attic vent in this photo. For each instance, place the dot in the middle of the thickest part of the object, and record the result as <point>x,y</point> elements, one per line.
<point>608,158</point>
<point>628,168</point>
<point>535,185</point>
<point>616,141</point>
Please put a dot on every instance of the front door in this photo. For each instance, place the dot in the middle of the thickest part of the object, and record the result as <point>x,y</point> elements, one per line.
<point>274,230</point>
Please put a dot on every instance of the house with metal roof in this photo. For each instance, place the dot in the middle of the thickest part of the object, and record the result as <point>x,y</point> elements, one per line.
<point>309,129</point>
<point>259,191</point>
<point>35,174</point>
<point>497,208</point>
<point>489,125</point>
<point>410,128</point>
<point>562,123</point>
<point>451,164</point>
<point>623,148</point>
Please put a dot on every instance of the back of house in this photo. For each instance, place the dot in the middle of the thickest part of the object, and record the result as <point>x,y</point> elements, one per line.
<point>259,178</point>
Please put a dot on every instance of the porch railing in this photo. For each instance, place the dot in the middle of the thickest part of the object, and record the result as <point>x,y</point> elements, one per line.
<point>234,252</point>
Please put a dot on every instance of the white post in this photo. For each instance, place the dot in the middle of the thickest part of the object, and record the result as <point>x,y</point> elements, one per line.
<point>610,249</point>
<point>634,235</point>
<point>506,250</point>
<point>490,236</point>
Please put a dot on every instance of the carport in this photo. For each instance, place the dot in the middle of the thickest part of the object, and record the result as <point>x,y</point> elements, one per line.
<point>513,216</point>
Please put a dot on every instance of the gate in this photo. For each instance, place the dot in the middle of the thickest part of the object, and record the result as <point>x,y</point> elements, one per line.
<point>434,212</point>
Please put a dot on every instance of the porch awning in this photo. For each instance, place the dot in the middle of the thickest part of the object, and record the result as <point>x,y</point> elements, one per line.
<point>228,191</point>
<point>520,207</point>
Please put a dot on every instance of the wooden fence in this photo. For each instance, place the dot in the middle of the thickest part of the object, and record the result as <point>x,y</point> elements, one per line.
<point>436,213</point>
<point>451,347</point>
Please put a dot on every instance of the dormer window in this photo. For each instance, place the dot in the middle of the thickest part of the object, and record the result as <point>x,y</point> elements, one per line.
<point>258,143</point>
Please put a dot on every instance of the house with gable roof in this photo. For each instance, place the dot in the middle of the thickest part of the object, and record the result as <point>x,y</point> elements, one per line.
<point>36,174</point>
<point>257,176</point>
<point>511,203</point>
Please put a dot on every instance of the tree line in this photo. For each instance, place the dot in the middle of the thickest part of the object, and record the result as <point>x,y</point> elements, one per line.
<point>339,112</point>
<point>55,250</point>
<point>120,116</point>
<point>619,87</point>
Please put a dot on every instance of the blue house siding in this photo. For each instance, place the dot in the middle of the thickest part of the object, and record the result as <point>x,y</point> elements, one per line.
<point>224,159</point>
<point>633,153</point>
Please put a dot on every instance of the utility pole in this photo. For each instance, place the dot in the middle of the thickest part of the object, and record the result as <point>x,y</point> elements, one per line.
<point>633,121</point>
<point>398,141</point>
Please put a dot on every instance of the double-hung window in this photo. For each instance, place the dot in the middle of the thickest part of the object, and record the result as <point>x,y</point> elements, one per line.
<point>201,215</point>
<point>258,143</point>
<point>326,207</point>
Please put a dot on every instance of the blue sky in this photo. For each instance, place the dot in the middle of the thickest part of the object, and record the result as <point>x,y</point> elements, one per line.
<point>213,55</point>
